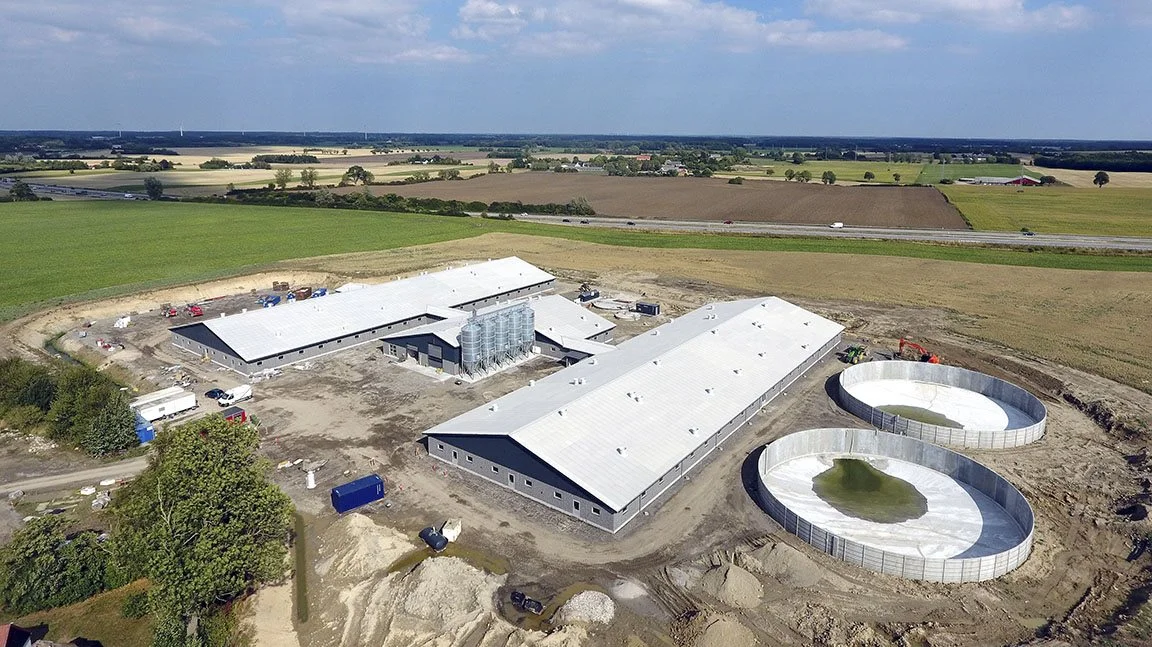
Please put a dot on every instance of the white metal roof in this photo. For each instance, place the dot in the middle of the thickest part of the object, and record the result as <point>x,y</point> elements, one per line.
<point>556,317</point>
<point>155,396</point>
<point>270,331</point>
<point>696,372</point>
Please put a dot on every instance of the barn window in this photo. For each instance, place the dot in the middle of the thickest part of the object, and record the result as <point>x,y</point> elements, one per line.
<point>455,455</point>
<point>468,458</point>
<point>281,357</point>
<point>557,495</point>
<point>440,446</point>
<point>576,506</point>
<point>259,363</point>
<point>596,511</point>
<point>495,470</point>
<point>528,482</point>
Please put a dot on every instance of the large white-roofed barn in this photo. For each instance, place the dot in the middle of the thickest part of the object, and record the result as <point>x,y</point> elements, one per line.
<point>606,438</point>
<point>265,338</point>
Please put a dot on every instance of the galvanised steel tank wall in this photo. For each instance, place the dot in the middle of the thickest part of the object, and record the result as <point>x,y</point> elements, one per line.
<point>880,443</point>
<point>471,346</point>
<point>950,376</point>
<point>529,327</point>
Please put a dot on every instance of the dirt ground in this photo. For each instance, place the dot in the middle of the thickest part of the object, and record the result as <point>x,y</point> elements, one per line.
<point>707,199</point>
<point>359,411</point>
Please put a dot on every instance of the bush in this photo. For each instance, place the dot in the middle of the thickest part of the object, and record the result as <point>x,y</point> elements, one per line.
<point>736,180</point>
<point>135,605</point>
<point>947,180</point>
<point>23,418</point>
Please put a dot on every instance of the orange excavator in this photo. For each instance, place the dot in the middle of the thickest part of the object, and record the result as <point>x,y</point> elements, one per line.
<point>924,355</point>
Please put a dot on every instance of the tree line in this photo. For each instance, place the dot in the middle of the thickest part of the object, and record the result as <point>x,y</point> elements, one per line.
<point>366,201</point>
<point>1134,161</point>
<point>77,406</point>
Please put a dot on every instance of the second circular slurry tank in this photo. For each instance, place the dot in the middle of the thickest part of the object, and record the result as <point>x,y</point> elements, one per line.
<point>942,404</point>
<point>895,504</point>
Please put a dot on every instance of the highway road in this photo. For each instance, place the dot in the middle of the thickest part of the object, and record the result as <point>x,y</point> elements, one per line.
<point>1013,239</point>
<point>71,191</point>
<point>122,470</point>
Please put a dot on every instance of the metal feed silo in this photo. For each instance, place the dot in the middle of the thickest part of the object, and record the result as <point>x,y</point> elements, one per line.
<point>488,329</point>
<point>529,338</point>
<point>470,346</point>
<point>502,327</point>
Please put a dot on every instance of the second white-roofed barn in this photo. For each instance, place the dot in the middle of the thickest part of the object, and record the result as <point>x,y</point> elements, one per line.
<point>605,438</point>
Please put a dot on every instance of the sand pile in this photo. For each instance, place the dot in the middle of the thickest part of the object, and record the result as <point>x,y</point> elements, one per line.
<point>589,606</point>
<point>733,586</point>
<point>782,562</point>
<point>725,631</point>
<point>355,547</point>
<point>442,602</point>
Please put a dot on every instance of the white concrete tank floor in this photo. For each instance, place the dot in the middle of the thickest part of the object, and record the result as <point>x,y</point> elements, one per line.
<point>946,405</point>
<point>969,409</point>
<point>915,509</point>
<point>960,521</point>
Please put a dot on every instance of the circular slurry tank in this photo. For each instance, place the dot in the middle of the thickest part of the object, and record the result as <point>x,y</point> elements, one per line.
<point>946,405</point>
<point>895,505</point>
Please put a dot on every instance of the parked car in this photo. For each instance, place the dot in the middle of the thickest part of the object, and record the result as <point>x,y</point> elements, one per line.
<point>727,222</point>
<point>214,394</point>
<point>1029,233</point>
<point>837,225</point>
<point>566,220</point>
<point>631,223</point>
<point>584,222</point>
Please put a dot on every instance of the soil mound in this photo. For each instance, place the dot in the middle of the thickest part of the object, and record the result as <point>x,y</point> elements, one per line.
<point>355,547</point>
<point>733,586</point>
<point>782,562</point>
<point>725,631</point>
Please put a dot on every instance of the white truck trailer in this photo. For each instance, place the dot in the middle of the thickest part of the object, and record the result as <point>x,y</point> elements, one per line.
<point>166,403</point>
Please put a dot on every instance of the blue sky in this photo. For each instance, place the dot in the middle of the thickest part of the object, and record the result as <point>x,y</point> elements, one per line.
<point>950,68</point>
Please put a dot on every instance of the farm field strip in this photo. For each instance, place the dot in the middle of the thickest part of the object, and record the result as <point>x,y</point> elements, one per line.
<point>1111,211</point>
<point>75,248</point>
<point>845,170</point>
<point>1083,179</point>
<point>933,173</point>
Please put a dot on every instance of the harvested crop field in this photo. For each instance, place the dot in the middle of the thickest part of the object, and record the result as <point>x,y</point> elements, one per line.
<point>707,199</point>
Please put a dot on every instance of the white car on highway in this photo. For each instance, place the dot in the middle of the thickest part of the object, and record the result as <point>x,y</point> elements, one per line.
<point>837,225</point>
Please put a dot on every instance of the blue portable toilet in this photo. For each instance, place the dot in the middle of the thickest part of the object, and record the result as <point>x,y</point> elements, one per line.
<point>144,430</point>
<point>354,494</point>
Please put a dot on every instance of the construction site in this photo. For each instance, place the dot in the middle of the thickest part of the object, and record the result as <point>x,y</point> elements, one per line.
<point>667,461</point>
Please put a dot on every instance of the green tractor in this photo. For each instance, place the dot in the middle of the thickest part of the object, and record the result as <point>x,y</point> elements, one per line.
<point>856,354</point>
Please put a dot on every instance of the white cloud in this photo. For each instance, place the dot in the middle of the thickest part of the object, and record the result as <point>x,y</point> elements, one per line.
<point>575,26</point>
<point>999,15</point>
<point>112,26</point>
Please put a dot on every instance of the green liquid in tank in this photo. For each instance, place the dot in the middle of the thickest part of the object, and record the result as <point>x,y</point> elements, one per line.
<point>858,490</point>
<point>919,414</point>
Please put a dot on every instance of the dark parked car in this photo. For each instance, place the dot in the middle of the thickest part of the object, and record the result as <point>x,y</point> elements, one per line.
<point>584,222</point>
<point>215,394</point>
<point>631,223</point>
<point>566,220</point>
<point>727,222</point>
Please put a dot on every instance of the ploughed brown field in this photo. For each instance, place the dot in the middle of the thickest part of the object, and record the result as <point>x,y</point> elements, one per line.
<point>706,199</point>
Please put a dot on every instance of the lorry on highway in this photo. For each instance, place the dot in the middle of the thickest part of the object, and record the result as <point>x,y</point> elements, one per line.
<point>165,403</point>
<point>238,394</point>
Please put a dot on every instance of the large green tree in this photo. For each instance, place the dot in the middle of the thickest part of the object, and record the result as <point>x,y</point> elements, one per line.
<point>358,174</point>
<point>869,176</point>
<point>41,567</point>
<point>804,176</point>
<point>203,522</point>
<point>828,177</point>
<point>308,177</point>
<point>154,188</point>
<point>21,192</point>
<point>80,395</point>
<point>113,429</point>
<point>1101,179</point>
<point>282,177</point>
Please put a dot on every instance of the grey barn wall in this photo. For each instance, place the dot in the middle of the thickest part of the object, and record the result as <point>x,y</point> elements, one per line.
<point>881,443</point>
<point>660,489</point>
<point>952,376</point>
<point>386,328</point>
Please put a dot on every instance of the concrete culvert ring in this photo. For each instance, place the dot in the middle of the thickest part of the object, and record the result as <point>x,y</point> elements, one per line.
<point>946,405</point>
<point>907,507</point>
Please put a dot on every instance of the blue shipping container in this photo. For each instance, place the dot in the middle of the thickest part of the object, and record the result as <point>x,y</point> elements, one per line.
<point>144,430</point>
<point>650,309</point>
<point>357,493</point>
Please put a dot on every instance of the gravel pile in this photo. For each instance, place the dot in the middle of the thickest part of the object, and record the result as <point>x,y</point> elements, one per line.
<point>589,606</point>
<point>726,631</point>
<point>355,547</point>
<point>784,563</point>
<point>448,591</point>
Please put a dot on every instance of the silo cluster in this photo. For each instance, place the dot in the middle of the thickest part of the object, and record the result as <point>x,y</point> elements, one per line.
<point>495,338</point>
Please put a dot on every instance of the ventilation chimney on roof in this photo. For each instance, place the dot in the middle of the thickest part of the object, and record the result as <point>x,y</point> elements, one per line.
<point>623,451</point>
<point>708,390</point>
<point>531,382</point>
<point>494,407</point>
<point>694,431</point>
<point>655,333</point>
<point>656,361</point>
<point>592,361</point>
<point>736,371</point>
<point>638,398</point>
<point>244,310</point>
<point>579,380</point>
<point>221,315</point>
<point>561,411</point>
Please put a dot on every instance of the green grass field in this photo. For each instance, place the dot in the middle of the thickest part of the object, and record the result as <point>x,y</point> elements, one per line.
<point>83,250</point>
<point>845,170</point>
<point>933,173</point>
<point>1107,211</point>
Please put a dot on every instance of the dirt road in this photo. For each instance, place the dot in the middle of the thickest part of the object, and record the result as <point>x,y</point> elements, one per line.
<point>122,470</point>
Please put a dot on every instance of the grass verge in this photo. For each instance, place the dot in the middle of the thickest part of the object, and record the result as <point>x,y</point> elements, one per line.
<point>98,618</point>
